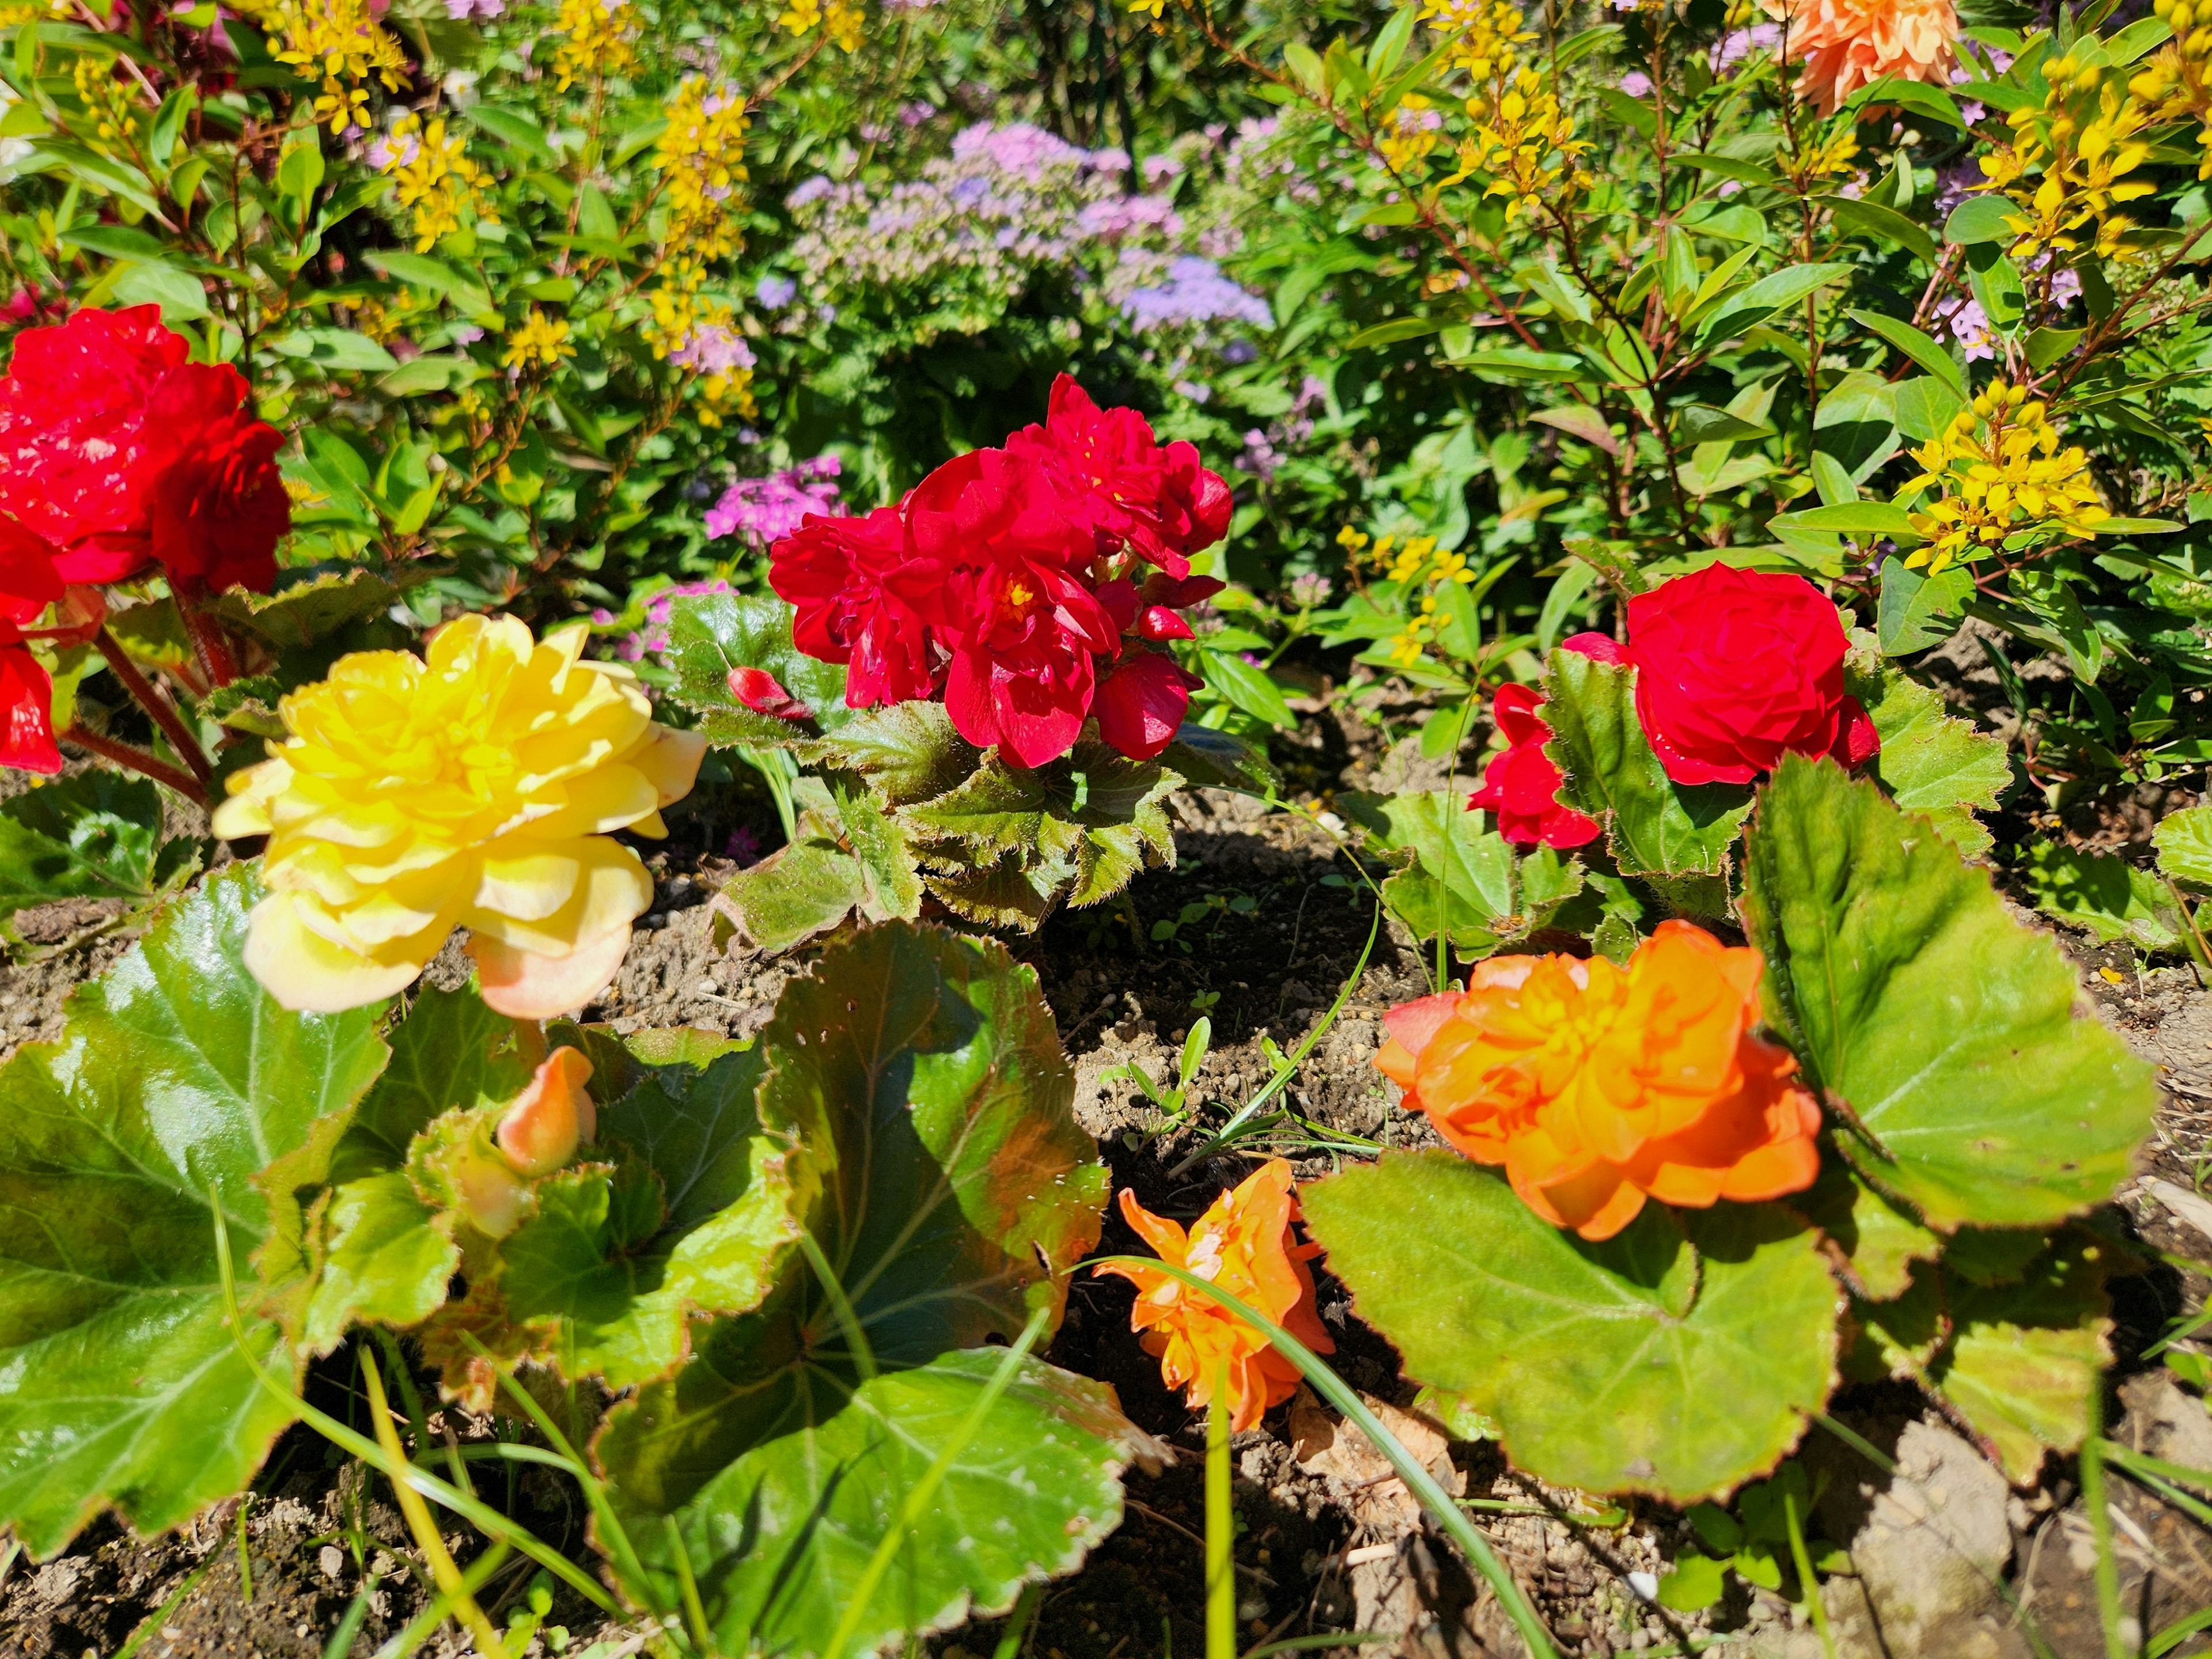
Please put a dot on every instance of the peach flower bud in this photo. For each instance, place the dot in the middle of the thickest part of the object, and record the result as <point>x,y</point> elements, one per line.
<point>541,1131</point>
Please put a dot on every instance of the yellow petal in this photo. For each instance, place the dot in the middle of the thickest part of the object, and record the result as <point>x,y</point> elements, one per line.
<point>525,881</point>
<point>309,974</point>
<point>611,889</point>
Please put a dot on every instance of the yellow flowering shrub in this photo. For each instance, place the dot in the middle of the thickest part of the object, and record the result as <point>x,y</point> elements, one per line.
<point>437,183</point>
<point>596,38</point>
<point>2085,139</point>
<point>541,342</point>
<point>2003,481</point>
<point>340,46</point>
<point>474,787</point>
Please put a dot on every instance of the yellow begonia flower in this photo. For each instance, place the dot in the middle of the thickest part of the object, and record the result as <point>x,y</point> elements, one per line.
<point>474,789</point>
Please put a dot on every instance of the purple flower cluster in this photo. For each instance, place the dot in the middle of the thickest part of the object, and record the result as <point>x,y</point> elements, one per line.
<point>713,349</point>
<point>1195,291</point>
<point>765,510</point>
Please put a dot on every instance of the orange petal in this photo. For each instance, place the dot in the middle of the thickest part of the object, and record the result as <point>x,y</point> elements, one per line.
<point>540,1132</point>
<point>525,986</point>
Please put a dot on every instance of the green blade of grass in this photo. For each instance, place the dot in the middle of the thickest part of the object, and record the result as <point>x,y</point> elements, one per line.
<point>1275,1084</point>
<point>2095,1496</point>
<point>1419,1480</point>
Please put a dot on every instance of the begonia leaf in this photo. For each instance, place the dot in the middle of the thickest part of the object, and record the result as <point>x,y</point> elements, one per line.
<point>95,835</point>
<point>1929,763</point>
<point>1596,1361</point>
<point>711,633</point>
<point>907,751</point>
<point>1878,1238</point>
<point>779,1537</point>
<point>2184,840</point>
<point>688,1207</point>
<point>386,1256</point>
<point>1944,1032</point>
<point>2105,894</point>
<point>1207,759</point>
<point>925,1078</point>
<point>846,858</point>
<point>2023,1357</point>
<point>310,605</point>
<point>175,1081</point>
<point>1458,874</point>
<point>1654,826</point>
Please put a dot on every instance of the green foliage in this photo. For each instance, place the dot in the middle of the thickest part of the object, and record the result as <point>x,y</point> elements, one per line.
<point>711,634</point>
<point>1454,874</point>
<point>2105,894</point>
<point>1929,762</point>
<point>178,1080</point>
<point>95,835</point>
<point>1596,1361</point>
<point>1654,827</point>
<point>1942,1031</point>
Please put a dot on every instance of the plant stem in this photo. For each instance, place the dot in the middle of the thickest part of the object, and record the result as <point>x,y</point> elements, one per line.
<point>1220,1526</point>
<point>216,660</point>
<point>443,1572</point>
<point>1802,1558</point>
<point>2097,1500</point>
<point>163,711</point>
<point>138,760</point>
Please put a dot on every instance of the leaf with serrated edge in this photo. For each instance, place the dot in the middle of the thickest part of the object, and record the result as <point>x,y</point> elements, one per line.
<point>388,1257</point>
<point>797,891</point>
<point>1462,875</point>
<point>908,751</point>
<point>1929,762</point>
<point>779,1538</point>
<point>2023,1357</point>
<point>1596,1361</point>
<point>307,609</point>
<point>2183,840</point>
<point>878,847</point>
<point>1004,892</point>
<point>1653,825</point>
<point>692,1212</point>
<point>2104,893</point>
<point>177,1078</point>
<point>1879,1238</point>
<point>1947,1030</point>
<point>925,1076</point>
<point>1208,759</point>
<point>711,633</point>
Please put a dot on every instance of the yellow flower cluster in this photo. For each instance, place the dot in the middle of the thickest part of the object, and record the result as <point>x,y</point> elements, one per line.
<point>110,110</point>
<point>2085,138</point>
<point>337,44</point>
<point>598,38</point>
<point>1414,564</point>
<point>14,14</point>
<point>842,20</point>
<point>1526,143</point>
<point>475,785</point>
<point>1415,130</point>
<point>437,183</point>
<point>1485,35</point>
<point>2004,481</point>
<point>2178,83</point>
<point>1831,155</point>
<point>379,320</point>
<point>541,342</point>
<point>700,159</point>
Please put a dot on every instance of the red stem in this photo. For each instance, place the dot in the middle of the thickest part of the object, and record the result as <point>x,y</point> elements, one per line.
<point>137,759</point>
<point>163,711</point>
<point>208,642</point>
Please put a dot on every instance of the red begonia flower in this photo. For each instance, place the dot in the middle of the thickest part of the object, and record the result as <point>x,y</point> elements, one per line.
<point>837,574</point>
<point>1521,786</point>
<point>1140,705</point>
<point>119,449</point>
<point>28,585</point>
<point>1121,485</point>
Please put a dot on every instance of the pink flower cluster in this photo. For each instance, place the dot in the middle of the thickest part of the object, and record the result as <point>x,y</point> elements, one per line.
<point>1031,587</point>
<point>766,510</point>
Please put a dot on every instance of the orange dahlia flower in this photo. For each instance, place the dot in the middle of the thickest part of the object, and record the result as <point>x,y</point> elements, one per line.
<point>1850,44</point>
<point>1245,1244</point>
<point>1597,1086</point>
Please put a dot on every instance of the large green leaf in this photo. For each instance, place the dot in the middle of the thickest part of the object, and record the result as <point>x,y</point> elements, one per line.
<point>1599,1362</point>
<point>1929,762</point>
<point>95,835</point>
<point>1944,1030</point>
<point>2023,1357</point>
<point>692,1213</point>
<point>848,856</point>
<point>1653,825</point>
<point>711,633</point>
<point>908,751</point>
<point>925,1076</point>
<point>2184,840</point>
<point>176,1082</point>
<point>2105,894</point>
<point>1208,759</point>
<point>779,1538</point>
<point>312,605</point>
<point>1458,874</point>
<point>1878,1238</point>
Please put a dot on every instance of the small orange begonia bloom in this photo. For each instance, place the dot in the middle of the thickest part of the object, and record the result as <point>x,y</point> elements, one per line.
<point>1597,1086</point>
<point>1850,44</point>
<point>1245,1244</point>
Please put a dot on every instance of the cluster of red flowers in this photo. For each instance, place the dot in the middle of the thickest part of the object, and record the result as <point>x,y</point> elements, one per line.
<point>1734,670</point>
<point>1030,587</point>
<point>116,453</point>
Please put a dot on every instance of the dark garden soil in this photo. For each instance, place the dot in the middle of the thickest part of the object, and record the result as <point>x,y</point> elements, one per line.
<point>1259,926</point>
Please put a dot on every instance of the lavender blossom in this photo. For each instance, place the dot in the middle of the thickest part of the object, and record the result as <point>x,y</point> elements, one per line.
<point>1196,291</point>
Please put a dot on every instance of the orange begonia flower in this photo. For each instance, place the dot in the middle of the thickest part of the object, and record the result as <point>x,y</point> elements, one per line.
<point>1597,1087</point>
<point>1850,44</point>
<point>1245,1244</point>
